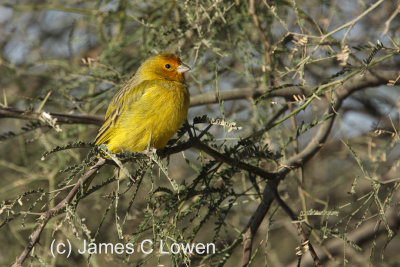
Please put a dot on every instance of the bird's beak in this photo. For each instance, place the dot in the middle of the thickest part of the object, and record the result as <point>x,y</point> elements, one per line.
<point>183,68</point>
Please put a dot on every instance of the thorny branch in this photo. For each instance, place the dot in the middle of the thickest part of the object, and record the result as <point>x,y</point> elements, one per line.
<point>46,216</point>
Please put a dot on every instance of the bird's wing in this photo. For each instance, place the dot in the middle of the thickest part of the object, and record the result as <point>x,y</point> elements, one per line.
<point>124,98</point>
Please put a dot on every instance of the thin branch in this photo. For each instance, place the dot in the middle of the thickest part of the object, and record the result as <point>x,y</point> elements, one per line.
<point>232,161</point>
<point>353,21</point>
<point>9,112</point>
<point>256,219</point>
<point>362,234</point>
<point>244,93</point>
<point>46,216</point>
<point>394,14</point>
<point>256,22</point>
<point>294,218</point>
<point>348,87</point>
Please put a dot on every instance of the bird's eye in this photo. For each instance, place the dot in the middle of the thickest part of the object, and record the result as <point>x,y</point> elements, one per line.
<point>167,66</point>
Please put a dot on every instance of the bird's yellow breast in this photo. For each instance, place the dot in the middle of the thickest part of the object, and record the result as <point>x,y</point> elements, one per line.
<point>153,118</point>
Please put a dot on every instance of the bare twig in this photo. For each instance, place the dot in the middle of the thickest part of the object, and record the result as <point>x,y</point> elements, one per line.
<point>9,112</point>
<point>244,93</point>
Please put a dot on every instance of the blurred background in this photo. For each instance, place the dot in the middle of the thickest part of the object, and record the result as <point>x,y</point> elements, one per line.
<point>249,59</point>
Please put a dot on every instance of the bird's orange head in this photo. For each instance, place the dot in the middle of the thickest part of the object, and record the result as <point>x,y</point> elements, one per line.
<point>164,66</point>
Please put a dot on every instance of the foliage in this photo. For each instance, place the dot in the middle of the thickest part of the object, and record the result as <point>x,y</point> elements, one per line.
<point>294,120</point>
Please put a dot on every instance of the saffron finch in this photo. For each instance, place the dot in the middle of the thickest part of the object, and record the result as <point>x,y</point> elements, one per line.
<point>149,108</point>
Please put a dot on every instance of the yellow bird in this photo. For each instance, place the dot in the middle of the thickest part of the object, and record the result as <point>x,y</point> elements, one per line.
<point>149,108</point>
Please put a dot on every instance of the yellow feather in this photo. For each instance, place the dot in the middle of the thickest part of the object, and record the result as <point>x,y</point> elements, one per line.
<point>152,104</point>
